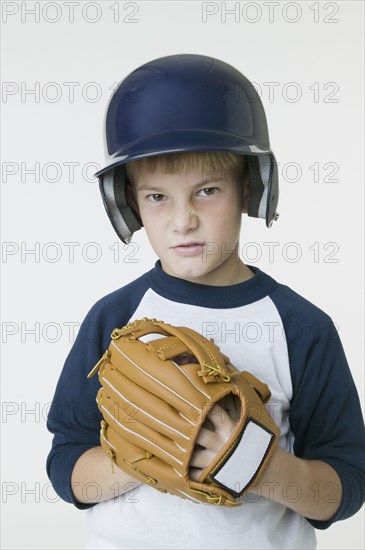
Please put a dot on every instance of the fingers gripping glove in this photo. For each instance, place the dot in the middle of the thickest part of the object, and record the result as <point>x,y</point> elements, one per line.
<point>153,410</point>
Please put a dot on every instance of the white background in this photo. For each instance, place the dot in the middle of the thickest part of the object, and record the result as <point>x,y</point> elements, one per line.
<point>312,51</point>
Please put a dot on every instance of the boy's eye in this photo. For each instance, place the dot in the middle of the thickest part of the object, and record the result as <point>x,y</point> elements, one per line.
<point>209,190</point>
<point>156,197</point>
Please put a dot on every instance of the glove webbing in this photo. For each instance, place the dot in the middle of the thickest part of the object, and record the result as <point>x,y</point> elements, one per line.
<point>179,340</point>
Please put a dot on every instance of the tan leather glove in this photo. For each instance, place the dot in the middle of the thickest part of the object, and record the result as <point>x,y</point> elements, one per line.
<point>154,408</point>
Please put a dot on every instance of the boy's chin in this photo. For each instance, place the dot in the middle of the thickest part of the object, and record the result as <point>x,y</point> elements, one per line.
<point>191,269</point>
<point>184,270</point>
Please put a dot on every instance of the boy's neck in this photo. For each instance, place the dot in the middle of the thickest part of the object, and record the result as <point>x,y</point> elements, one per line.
<point>238,274</point>
<point>235,272</point>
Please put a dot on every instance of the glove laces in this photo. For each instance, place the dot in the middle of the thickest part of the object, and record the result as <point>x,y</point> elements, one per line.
<point>213,373</point>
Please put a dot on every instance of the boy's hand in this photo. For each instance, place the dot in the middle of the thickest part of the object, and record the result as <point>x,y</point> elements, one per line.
<point>212,437</point>
<point>216,431</point>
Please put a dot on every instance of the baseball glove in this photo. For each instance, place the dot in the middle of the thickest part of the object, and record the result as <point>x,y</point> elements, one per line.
<point>153,409</point>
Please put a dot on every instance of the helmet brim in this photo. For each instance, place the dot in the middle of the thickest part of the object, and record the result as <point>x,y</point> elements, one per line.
<point>182,141</point>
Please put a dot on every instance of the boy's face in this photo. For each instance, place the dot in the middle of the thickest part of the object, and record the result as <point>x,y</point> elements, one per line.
<point>204,212</point>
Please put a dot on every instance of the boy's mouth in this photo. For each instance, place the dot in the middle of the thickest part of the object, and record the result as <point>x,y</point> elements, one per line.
<point>190,248</point>
<point>192,243</point>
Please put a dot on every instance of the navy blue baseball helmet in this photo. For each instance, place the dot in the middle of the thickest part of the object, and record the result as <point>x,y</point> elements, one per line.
<point>185,102</point>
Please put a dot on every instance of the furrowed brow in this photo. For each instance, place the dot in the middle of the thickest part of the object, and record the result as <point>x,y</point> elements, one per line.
<point>146,187</point>
<point>207,180</point>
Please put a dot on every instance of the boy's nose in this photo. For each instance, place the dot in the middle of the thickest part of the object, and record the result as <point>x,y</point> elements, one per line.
<point>183,218</point>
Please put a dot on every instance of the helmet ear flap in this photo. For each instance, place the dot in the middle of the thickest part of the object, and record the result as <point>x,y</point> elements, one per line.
<point>256,184</point>
<point>113,190</point>
<point>264,195</point>
<point>273,193</point>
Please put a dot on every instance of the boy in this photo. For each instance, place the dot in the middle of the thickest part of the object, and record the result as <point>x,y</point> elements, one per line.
<point>189,153</point>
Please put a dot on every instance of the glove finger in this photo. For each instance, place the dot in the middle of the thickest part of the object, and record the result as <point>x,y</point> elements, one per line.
<point>136,462</point>
<point>152,471</point>
<point>164,478</point>
<point>140,365</point>
<point>140,435</point>
<point>141,405</point>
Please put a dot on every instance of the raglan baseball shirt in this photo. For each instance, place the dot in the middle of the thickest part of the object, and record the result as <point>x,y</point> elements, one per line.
<point>265,328</point>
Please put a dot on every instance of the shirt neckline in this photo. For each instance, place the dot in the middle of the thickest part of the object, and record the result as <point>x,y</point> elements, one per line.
<point>218,297</point>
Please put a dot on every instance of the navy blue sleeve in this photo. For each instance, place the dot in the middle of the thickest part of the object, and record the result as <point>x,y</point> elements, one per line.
<point>74,417</point>
<point>325,414</point>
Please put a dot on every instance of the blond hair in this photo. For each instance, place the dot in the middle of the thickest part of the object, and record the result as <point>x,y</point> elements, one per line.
<point>210,162</point>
